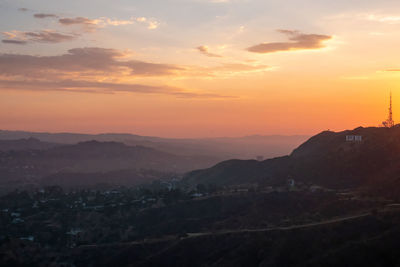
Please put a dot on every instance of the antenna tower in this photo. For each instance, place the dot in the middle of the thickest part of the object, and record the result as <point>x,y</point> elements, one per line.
<point>389,122</point>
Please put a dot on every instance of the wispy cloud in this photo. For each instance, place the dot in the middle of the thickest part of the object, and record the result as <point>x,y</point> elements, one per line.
<point>297,41</point>
<point>367,16</point>
<point>78,20</point>
<point>92,24</point>
<point>390,19</point>
<point>79,86</point>
<point>10,41</point>
<point>44,36</point>
<point>226,70</point>
<point>205,51</point>
<point>44,15</point>
<point>98,70</point>
<point>94,62</point>
<point>87,24</point>
<point>89,60</point>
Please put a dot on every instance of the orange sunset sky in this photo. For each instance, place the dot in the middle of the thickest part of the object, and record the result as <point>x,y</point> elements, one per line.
<point>198,68</point>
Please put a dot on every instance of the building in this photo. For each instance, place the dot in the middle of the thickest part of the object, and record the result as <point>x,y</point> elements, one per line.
<point>291,183</point>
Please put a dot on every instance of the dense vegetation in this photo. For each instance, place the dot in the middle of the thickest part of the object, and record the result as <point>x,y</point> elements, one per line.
<point>170,225</point>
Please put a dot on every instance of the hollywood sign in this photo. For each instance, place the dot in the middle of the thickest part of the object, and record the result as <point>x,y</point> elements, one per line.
<point>353,138</point>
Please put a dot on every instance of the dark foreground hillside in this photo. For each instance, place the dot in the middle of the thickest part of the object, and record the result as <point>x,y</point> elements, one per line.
<point>368,241</point>
<point>326,159</point>
<point>170,228</point>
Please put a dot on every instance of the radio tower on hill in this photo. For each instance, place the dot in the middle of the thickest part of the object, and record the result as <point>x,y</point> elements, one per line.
<point>389,122</point>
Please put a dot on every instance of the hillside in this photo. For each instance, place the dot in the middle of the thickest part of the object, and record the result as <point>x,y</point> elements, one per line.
<point>126,227</point>
<point>94,162</point>
<point>25,144</point>
<point>326,159</point>
<point>107,156</point>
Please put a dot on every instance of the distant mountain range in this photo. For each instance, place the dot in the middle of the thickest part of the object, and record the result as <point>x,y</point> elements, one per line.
<point>326,159</point>
<point>68,159</point>
<point>222,148</point>
<point>92,161</point>
<point>25,144</point>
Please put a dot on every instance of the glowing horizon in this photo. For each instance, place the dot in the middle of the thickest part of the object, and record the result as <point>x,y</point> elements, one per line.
<point>191,68</point>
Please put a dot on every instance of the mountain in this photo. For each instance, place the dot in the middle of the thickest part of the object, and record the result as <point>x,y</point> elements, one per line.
<point>25,144</point>
<point>93,161</point>
<point>326,159</point>
<point>224,148</point>
<point>98,156</point>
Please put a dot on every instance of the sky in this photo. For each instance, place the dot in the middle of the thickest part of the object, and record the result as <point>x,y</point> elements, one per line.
<point>198,68</point>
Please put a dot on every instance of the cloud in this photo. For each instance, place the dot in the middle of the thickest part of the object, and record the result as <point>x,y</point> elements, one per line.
<point>229,69</point>
<point>93,62</point>
<point>204,50</point>
<point>90,70</point>
<point>390,19</point>
<point>77,20</point>
<point>44,15</point>
<point>83,86</point>
<point>298,41</point>
<point>18,42</point>
<point>239,67</point>
<point>89,61</point>
<point>44,36</point>
<point>79,86</point>
<point>117,22</point>
<point>93,24</point>
<point>152,24</point>
<point>89,25</point>
<point>49,36</point>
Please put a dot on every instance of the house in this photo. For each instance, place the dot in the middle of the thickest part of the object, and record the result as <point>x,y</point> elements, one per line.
<point>29,238</point>
<point>196,195</point>
<point>17,220</point>
<point>74,232</point>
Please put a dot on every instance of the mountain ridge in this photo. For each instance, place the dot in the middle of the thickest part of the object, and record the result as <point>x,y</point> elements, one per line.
<point>326,159</point>
<point>224,148</point>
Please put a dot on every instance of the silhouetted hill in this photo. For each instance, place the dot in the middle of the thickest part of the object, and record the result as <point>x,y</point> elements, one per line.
<point>326,159</point>
<point>235,172</point>
<point>25,144</point>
